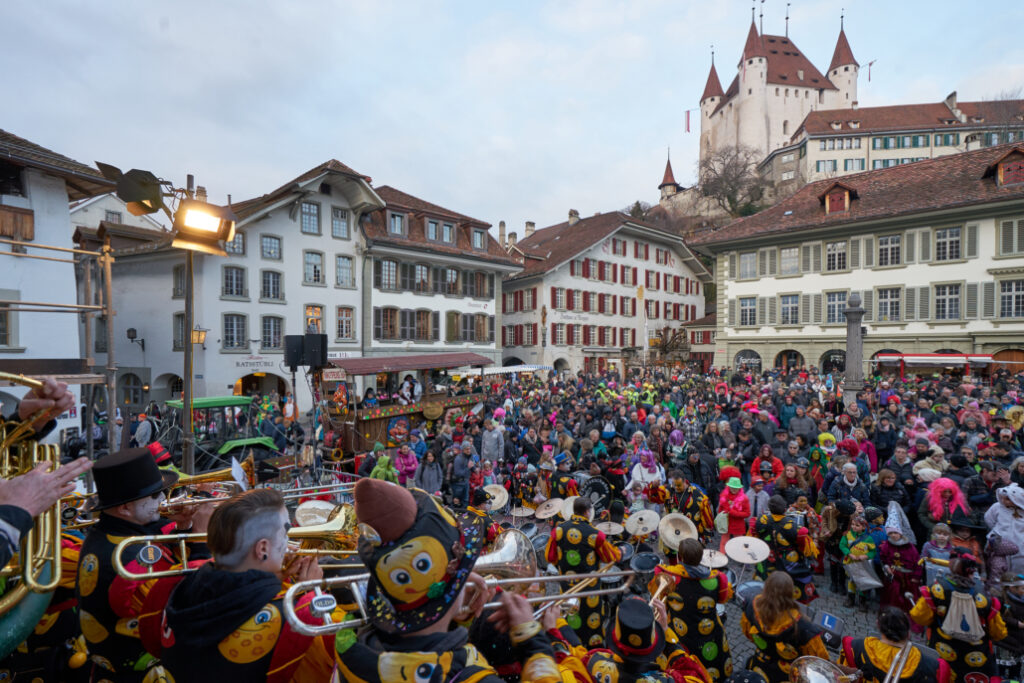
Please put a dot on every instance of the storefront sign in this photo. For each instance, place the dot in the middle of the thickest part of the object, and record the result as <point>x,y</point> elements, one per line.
<point>333,375</point>
<point>255,362</point>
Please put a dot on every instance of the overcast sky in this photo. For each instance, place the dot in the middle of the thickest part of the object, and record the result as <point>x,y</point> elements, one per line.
<point>507,110</point>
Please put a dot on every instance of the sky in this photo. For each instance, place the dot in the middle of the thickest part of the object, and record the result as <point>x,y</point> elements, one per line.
<point>498,109</point>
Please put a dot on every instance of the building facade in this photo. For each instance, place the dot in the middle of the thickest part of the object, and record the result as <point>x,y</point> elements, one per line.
<point>592,287</point>
<point>936,253</point>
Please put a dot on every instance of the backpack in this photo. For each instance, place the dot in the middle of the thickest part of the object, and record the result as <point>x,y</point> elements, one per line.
<point>962,621</point>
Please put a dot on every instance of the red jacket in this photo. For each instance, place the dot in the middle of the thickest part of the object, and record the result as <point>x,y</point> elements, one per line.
<point>736,505</point>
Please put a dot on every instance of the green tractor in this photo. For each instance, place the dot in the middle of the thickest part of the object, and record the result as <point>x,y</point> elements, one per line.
<point>223,427</point>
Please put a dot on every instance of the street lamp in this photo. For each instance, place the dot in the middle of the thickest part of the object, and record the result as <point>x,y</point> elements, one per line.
<point>133,337</point>
<point>199,336</point>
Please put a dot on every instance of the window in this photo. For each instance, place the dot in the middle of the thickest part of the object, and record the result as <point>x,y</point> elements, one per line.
<point>835,302</point>
<point>237,245</point>
<point>344,274</point>
<point>270,247</point>
<point>854,164</point>
<point>947,139</point>
<point>826,165</point>
<point>1011,171</point>
<point>270,285</point>
<point>385,323</point>
<point>313,268</point>
<point>748,311</point>
<point>311,218</point>
<point>346,323</point>
<point>559,297</point>
<point>448,233</point>
<point>480,327</point>
<point>789,261</point>
<point>1011,299</point>
<point>112,216</point>
<point>788,175</point>
<point>889,250</point>
<point>451,281</point>
<point>339,223</point>
<point>790,309</point>
<point>947,244</point>
<point>835,256</point>
<point>314,319</point>
<point>234,282</point>
<point>748,266</point>
<point>396,226</point>
<point>478,239</point>
<point>236,333</point>
<point>889,304</point>
<point>947,302</point>
<point>558,334</point>
<point>433,231</point>
<point>131,389</point>
<point>528,335</point>
<point>421,278</point>
<point>178,280</point>
<point>270,336</point>
<point>177,332</point>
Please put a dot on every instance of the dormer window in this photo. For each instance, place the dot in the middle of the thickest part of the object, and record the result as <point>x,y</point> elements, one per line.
<point>836,201</point>
<point>836,125</point>
<point>800,74</point>
<point>854,124</point>
<point>1011,171</point>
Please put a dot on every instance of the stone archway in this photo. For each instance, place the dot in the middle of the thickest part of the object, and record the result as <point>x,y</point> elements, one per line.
<point>834,361</point>
<point>261,384</point>
<point>167,387</point>
<point>789,358</point>
<point>511,360</point>
<point>1011,360</point>
<point>749,358</point>
<point>561,365</point>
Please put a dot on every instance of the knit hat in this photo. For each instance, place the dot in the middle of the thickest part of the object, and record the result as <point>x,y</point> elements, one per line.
<point>378,446</point>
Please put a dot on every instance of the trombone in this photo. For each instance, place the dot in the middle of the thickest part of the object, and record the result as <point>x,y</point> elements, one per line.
<point>294,493</point>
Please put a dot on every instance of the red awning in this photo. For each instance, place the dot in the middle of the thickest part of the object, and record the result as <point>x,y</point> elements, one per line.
<point>423,361</point>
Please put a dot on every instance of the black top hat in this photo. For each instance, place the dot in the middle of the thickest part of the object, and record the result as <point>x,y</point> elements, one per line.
<point>636,636</point>
<point>128,475</point>
<point>960,519</point>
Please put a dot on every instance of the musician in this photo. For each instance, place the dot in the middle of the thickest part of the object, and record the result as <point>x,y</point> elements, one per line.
<point>875,655</point>
<point>780,633</point>
<point>792,548</point>
<point>480,506</point>
<point>420,559</point>
<point>692,607</point>
<point>524,483</point>
<point>576,547</point>
<point>129,488</point>
<point>689,500</point>
<point>224,622</point>
<point>563,484</point>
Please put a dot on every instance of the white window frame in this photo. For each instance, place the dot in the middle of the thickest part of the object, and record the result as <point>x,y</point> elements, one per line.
<point>748,270</point>
<point>263,333</point>
<point>948,240</point>
<point>890,304</point>
<point>351,282</point>
<point>890,250</point>
<point>795,270</point>
<point>947,301</point>
<point>308,212</point>
<point>339,217</point>
<point>263,247</point>
<point>836,257</point>
<point>1012,300</point>
<point>306,280</point>
<point>747,311</point>
<point>280,285</point>
<point>342,323</point>
<point>789,309</point>
<point>241,343</point>
<point>834,306</point>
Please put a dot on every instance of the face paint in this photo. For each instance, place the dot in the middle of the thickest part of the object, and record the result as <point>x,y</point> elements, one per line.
<point>408,572</point>
<point>145,510</point>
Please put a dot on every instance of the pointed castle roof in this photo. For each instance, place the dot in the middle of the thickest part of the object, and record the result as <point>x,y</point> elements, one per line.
<point>754,46</point>
<point>843,55</point>
<point>668,179</point>
<point>713,88</point>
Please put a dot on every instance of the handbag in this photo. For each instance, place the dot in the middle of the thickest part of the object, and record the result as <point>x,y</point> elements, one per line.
<point>863,575</point>
<point>722,522</point>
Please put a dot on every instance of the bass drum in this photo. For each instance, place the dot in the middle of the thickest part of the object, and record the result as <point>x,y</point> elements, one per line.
<point>599,492</point>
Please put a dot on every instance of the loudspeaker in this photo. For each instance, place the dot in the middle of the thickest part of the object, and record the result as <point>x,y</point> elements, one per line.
<point>294,355</point>
<point>315,350</point>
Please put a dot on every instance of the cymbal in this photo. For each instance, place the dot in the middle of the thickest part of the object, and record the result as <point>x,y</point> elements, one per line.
<point>549,508</point>
<point>566,512</point>
<point>499,496</point>
<point>747,549</point>
<point>313,512</point>
<point>674,527</point>
<point>714,559</point>
<point>642,523</point>
<point>610,528</point>
<point>522,512</point>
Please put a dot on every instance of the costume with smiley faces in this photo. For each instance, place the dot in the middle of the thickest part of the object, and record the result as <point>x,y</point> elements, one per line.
<point>420,557</point>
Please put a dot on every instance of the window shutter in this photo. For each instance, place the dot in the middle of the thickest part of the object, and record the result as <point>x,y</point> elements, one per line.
<point>553,297</point>
<point>923,302</point>
<point>504,335</point>
<point>490,290</point>
<point>772,256</point>
<point>910,303</point>
<point>636,250</point>
<point>805,258</point>
<point>971,301</point>
<point>647,252</point>
<point>376,273</point>
<point>572,267</point>
<point>568,300</point>
<point>771,310</point>
<point>632,307</point>
<point>867,303</point>
<point>634,275</point>
<point>988,300</point>
<point>615,272</point>
<point>908,247</point>
<point>869,252</point>
<point>615,305</point>
<point>854,254</point>
<point>733,273</point>
<point>632,337</point>
<point>805,309</point>
<point>816,258</point>
<point>693,311</point>
<point>490,328</point>
<point>1006,238</point>
<point>762,310</point>
<point>1020,236</point>
<point>817,308</point>
<point>732,312</point>
<point>762,264</point>
<point>533,299</point>
<point>376,323</point>
<point>972,241</point>
<point>504,304</point>
<point>926,246</point>
<point>657,279</point>
<point>451,326</point>
<point>600,270</point>
<point>568,334</point>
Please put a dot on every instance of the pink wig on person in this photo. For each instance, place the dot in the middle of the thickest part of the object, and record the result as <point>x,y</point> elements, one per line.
<point>936,505</point>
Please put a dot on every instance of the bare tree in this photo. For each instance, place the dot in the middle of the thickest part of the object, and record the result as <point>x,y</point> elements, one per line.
<point>637,209</point>
<point>1004,112</point>
<point>729,176</point>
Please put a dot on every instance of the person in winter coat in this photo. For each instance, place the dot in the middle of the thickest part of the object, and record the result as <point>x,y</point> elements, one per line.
<point>801,424</point>
<point>943,498</point>
<point>429,475</point>
<point>417,444</point>
<point>492,442</point>
<point>406,464</point>
<point>370,461</point>
<point>886,489</point>
<point>384,470</point>
<point>701,470</point>
<point>767,456</point>
<point>735,504</point>
<point>848,486</point>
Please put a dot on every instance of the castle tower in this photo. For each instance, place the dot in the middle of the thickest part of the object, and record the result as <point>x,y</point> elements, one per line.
<point>843,71</point>
<point>751,119</point>
<point>668,186</point>
<point>708,102</point>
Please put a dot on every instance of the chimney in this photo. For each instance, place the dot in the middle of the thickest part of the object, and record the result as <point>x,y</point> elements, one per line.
<point>574,216</point>
<point>951,101</point>
<point>201,193</point>
<point>854,105</point>
<point>512,238</point>
<point>501,234</point>
<point>529,229</point>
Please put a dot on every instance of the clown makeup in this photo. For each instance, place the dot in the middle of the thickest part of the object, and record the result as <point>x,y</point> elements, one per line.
<point>146,510</point>
<point>940,538</point>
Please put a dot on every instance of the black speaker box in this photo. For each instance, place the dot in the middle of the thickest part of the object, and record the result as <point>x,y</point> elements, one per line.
<point>294,350</point>
<point>315,350</point>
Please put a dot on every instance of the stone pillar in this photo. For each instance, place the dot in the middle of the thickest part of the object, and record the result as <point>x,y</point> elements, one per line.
<point>854,376</point>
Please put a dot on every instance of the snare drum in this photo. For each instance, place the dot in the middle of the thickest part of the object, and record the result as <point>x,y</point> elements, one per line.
<point>747,591</point>
<point>530,529</point>
<point>627,554</point>
<point>644,564</point>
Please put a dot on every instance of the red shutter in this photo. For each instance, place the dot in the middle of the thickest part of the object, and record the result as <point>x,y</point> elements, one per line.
<point>600,303</point>
<point>693,311</point>
<point>600,336</point>
<point>634,275</point>
<point>657,280</point>
<point>536,339</point>
<point>533,298</point>
<point>504,336</point>
<point>636,250</point>
<point>615,305</point>
<point>600,270</point>
<point>504,302</point>
<point>552,297</point>
<point>632,337</point>
<point>632,308</point>
<point>568,299</point>
<point>572,267</point>
<point>615,273</point>
<point>568,335</point>
<point>696,287</point>
<point>647,252</point>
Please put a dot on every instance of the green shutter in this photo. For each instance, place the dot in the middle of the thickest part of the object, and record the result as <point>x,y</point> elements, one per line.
<point>972,241</point>
<point>733,273</point>
<point>988,299</point>
<point>805,309</point>
<point>869,252</point>
<point>1006,240</point>
<point>816,308</point>
<point>733,321</point>
<point>908,247</point>
<point>805,258</point>
<point>926,246</point>
<point>854,254</point>
<point>816,258</point>
<point>868,297</point>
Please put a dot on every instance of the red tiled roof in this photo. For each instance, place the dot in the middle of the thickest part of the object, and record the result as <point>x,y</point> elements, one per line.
<point>707,321</point>
<point>713,88</point>
<point>248,207</point>
<point>908,117</point>
<point>375,229</point>
<point>403,363</point>
<point>786,61</point>
<point>668,178</point>
<point>946,182</point>
<point>81,180</point>
<point>843,55</point>
<point>754,47</point>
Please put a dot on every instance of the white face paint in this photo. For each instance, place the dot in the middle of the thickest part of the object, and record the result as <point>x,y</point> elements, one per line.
<point>279,543</point>
<point>145,510</point>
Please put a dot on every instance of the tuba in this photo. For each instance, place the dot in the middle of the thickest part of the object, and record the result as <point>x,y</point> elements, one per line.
<point>38,563</point>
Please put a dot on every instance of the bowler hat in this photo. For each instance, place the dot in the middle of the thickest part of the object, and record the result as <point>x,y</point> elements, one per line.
<point>128,475</point>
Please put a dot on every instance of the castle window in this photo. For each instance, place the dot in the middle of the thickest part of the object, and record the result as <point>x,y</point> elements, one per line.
<point>776,92</point>
<point>787,92</point>
<point>785,127</point>
<point>846,68</point>
<point>750,91</point>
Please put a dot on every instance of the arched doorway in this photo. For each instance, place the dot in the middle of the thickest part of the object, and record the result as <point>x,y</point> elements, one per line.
<point>261,384</point>
<point>789,359</point>
<point>947,351</point>
<point>1011,360</point>
<point>748,358</point>
<point>833,361</point>
<point>511,360</point>
<point>561,365</point>
<point>881,351</point>
<point>167,387</point>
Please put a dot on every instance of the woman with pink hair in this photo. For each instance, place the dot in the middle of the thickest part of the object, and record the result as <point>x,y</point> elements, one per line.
<point>944,497</point>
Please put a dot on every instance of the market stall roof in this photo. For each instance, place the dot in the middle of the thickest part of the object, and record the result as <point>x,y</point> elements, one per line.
<point>934,359</point>
<point>509,369</point>
<point>423,361</point>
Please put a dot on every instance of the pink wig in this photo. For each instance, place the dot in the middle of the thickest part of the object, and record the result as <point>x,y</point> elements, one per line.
<point>934,498</point>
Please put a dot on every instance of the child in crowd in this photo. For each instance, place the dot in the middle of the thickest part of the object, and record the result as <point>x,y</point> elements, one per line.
<point>937,548</point>
<point>857,545</point>
<point>1013,613</point>
<point>758,498</point>
<point>488,473</point>
<point>476,479</point>
<point>964,538</point>
<point>899,560</point>
<point>636,497</point>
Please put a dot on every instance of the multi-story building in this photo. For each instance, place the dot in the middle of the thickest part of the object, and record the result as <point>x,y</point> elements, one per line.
<point>701,335</point>
<point>935,249</point>
<point>592,287</point>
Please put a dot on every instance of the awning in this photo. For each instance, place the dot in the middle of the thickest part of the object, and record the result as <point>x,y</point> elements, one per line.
<point>509,369</point>
<point>934,359</point>
<point>422,361</point>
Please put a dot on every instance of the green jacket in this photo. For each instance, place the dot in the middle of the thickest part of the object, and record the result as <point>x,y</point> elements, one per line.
<point>384,470</point>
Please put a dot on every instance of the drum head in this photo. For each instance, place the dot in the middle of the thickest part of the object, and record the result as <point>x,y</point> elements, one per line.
<point>627,552</point>
<point>549,508</point>
<point>714,559</point>
<point>567,504</point>
<point>644,563</point>
<point>529,529</point>
<point>599,491</point>
<point>314,512</point>
<point>747,549</point>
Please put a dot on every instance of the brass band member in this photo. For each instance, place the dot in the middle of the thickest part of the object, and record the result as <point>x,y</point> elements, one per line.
<point>686,498</point>
<point>874,655</point>
<point>576,547</point>
<point>129,488</point>
<point>419,559</point>
<point>224,622</point>
<point>480,505</point>
<point>792,548</point>
<point>563,484</point>
<point>692,607</point>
